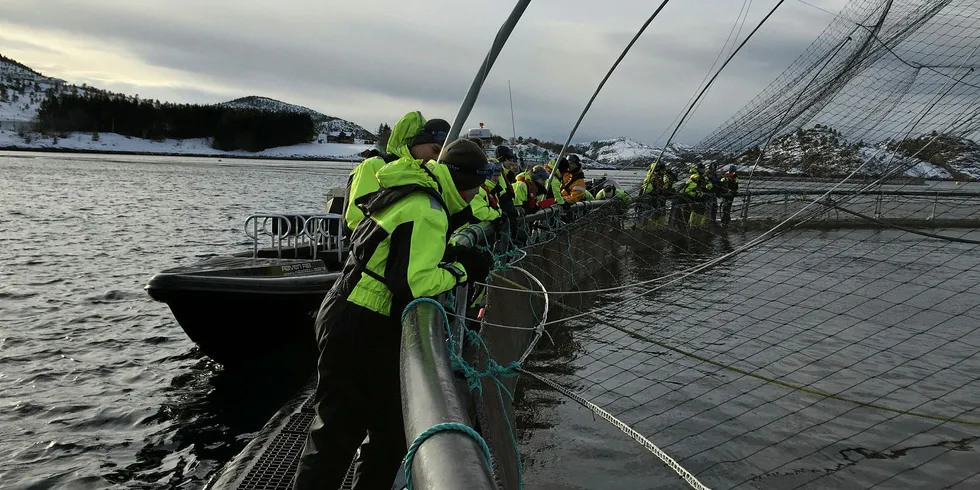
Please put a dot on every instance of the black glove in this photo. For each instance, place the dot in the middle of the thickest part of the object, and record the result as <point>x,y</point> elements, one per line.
<point>476,262</point>
<point>507,206</point>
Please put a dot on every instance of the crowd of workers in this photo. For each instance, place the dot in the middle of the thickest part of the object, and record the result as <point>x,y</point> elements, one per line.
<point>402,207</point>
<point>695,199</point>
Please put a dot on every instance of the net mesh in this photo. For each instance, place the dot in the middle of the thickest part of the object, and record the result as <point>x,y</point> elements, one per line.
<point>828,336</point>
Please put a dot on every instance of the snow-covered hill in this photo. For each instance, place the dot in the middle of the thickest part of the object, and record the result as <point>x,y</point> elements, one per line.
<point>824,151</point>
<point>327,124</point>
<point>624,152</point>
<point>22,90</point>
<point>111,142</point>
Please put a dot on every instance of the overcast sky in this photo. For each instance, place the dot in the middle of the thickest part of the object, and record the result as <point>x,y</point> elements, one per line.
<point>370,61</point>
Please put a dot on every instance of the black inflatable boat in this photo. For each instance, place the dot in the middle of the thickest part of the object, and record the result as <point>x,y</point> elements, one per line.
<point>255,306</point>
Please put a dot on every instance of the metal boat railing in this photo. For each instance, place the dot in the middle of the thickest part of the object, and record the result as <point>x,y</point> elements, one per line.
<point>321,232</point>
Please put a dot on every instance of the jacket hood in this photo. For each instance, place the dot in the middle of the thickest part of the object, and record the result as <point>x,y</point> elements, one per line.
<point>401,135</point>
<point>408,171</point>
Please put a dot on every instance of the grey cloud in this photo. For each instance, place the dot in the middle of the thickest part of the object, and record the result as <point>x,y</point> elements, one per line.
<point>8,43</point>
<point>364,57</point>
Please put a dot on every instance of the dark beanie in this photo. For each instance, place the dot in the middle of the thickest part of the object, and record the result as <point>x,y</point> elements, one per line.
<point>504,153</point>
<point>467,163</point>
<point>430,132</point>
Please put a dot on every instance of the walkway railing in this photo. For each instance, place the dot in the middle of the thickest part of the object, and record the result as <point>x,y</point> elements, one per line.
<point>842,207</point>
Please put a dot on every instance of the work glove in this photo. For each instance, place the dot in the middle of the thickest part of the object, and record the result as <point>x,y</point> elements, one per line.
<point>507,206</point>
<point>476,262</point>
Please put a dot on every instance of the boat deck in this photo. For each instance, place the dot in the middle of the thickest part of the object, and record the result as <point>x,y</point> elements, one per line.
<point>275,466</point>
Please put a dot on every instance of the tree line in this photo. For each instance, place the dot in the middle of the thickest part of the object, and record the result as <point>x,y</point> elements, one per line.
<point>229,128</point>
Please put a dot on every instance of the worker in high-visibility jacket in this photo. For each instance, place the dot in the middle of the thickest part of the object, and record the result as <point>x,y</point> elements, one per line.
<point>612,192</point>
<point>398,253</point>
<point>547,190</point>
<point>413,138</point>
<point>485,205</point>
<point>508,159</point>
<point>694,190</point>
<point>524,192</point>
<point>573,181</point>
<point>729,182</point>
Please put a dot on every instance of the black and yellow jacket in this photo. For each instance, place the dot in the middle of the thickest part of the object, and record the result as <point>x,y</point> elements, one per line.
<point>363,181</point>
<point>397,251</point>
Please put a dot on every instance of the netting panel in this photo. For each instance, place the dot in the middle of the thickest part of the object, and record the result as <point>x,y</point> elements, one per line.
<point>830,336</point>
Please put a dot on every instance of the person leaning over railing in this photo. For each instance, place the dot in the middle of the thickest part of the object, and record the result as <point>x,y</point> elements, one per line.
<point>730,182</point>
<point>573,181</point>
<point>553,185</point>
<point>694,191</point>
<point>412,138</point>
<point>547,190</point>
<point>398,253</point>
<point>524,192</point>
<point>610,191</point>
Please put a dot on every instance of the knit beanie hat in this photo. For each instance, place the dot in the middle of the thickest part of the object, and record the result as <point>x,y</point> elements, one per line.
<point>504,153</point>
<point>434,131</point>
<point>467,164</point>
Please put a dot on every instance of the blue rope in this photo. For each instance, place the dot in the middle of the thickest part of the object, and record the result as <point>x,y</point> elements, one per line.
<point>435,429</point>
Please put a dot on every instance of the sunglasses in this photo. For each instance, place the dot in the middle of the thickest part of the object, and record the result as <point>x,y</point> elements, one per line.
<point>440,136</point>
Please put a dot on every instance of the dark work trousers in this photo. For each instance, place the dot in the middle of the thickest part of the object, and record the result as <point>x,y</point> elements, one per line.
<point>726,213</point>
<point>357,393</point>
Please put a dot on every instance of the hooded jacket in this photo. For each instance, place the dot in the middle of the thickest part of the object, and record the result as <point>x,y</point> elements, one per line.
<point>573,186</point>
<point>397,252</point>
<point>617,194</point>
<point>363,180</point>
<point>695,187</point>
<point>483,209</point>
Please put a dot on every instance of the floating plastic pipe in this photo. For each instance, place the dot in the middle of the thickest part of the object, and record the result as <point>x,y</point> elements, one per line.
<point>430,396</point>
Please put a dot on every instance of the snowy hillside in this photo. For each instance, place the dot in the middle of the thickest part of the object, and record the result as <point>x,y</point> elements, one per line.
<point>22,90</point>
<point>624,152</point>
<point>327,124</point>
<point>823,151</point>
<point>110,142</point>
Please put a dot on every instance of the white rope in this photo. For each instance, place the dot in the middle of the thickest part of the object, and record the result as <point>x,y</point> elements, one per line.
<point>539,329</point>
<point>636,436</point>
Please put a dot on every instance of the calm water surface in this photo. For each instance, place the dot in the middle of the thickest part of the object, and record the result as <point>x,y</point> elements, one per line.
<point>99,387</point>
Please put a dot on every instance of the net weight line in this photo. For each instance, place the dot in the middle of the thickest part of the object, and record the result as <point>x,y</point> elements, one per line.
<point>659,453</point>
<point>767,379</point>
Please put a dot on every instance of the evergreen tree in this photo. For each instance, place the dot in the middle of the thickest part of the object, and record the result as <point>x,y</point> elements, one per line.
<point>384,132</point>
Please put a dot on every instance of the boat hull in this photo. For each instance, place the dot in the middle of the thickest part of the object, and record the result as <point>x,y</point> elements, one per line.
<point>245,312</point>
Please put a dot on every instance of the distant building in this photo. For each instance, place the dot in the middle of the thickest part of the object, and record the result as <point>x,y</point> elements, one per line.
<point>340,137</point>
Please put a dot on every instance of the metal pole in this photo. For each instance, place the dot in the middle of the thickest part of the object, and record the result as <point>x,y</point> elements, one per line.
<point>481,75</point>
<point>622,55</point>
<point>512,124</point>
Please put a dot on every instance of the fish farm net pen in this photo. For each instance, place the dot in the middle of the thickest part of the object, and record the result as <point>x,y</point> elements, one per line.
<point>828,336</point>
